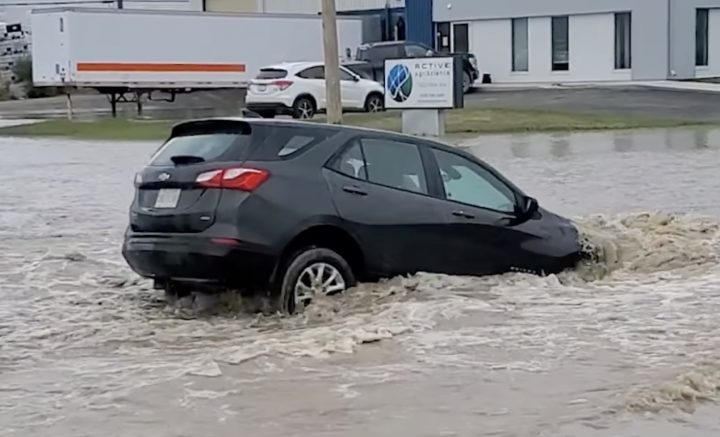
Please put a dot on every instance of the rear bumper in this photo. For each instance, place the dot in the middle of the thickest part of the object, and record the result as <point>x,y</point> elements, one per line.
<point>278,108</point>
<point>193,259</point>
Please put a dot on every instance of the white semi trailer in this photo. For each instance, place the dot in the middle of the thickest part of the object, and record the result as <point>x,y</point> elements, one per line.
<point>139,52</point>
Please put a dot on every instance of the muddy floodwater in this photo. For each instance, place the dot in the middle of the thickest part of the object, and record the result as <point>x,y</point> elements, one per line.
<point>626,346</point>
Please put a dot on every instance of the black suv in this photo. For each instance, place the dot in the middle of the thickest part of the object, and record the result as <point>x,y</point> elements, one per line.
<point>295,209</point>
<point>370,60</point>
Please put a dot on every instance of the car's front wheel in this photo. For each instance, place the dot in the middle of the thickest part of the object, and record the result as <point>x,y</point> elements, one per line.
<point>467,83</point>
<point>313,272</point>
<point>374,103</point>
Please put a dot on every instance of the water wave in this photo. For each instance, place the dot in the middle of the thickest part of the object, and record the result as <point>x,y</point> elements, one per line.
<point>630,296</point>
<point>699,384</point>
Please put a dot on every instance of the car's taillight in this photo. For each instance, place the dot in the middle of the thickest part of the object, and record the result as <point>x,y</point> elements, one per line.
<point>282,84</point>
<point>240,178</point>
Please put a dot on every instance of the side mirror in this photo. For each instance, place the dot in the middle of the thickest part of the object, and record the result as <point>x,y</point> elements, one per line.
<point>530,206</point>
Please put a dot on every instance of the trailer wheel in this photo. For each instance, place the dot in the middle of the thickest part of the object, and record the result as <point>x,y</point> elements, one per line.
<point>304,108</point>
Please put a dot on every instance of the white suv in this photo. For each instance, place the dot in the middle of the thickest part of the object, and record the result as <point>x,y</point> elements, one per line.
<point>298,89</point>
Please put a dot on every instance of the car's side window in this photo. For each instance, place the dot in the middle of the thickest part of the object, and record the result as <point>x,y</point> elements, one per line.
<point>345,75</point>
<point>380,53</point>
<point>415,51</point>
<point>394,164</point>
<point>351,162</point>
<point>313,73</point>
<point>467,182</point>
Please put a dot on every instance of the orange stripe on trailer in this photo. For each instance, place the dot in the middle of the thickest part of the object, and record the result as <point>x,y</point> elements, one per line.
<point>142,67</point>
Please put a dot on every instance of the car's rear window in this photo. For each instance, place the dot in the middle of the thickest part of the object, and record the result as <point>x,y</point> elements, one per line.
<point>272,73</point>
<point>261,143</point>
<point>211,147</point>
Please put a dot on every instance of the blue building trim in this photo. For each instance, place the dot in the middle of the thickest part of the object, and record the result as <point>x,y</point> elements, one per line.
<point>419,16</point>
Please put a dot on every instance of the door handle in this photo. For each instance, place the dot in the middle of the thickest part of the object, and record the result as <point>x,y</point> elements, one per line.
<point>463,214</point>
<point>354,190</point>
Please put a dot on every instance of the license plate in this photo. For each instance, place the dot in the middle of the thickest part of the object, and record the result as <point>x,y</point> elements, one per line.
<point>262,88</point>
<point>167,198</point>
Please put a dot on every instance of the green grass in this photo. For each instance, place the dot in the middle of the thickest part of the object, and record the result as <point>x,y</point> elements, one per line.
<point>101,129</point>
<point>465,121</point>
<point>483,121</point>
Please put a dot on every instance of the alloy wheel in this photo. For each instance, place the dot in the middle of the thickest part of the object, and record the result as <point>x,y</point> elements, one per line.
<point>318,279</point>
<point>375,105</point>
<point>306,109</point>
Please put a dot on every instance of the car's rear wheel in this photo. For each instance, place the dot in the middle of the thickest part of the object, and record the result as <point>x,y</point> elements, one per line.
<point>304,108</point>
<point>313,272</point>
<point>374,103</point>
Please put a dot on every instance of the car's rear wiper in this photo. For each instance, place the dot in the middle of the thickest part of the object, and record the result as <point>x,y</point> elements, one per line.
<point>187,159</point>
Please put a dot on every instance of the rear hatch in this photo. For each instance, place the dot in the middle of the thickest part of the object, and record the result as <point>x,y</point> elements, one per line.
<point>180,190</point>
<point>168,197</point>
<point>270,81</point>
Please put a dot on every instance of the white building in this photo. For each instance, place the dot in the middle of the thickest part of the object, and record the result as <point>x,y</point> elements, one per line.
<point>384,19</point>
<point>291,6</point>
<point>16,12</point>
<point>584,40</point>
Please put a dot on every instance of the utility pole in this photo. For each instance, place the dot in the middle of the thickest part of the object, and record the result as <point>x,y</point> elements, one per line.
<point>332,62</point>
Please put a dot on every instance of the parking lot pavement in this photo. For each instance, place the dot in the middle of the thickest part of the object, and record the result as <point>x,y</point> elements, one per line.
<point>221,102</point>
<point>635,101</point>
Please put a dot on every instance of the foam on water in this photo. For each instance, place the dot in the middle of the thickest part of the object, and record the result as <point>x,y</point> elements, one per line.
<point>651,290</point>
<point>648,242</point>
<point>632,254</point>
<point>701,383</point>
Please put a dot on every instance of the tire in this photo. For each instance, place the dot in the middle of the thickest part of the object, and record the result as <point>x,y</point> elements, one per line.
<point>467,83</point>
<point>304,108</point>
<point>296,271</point>
<point>374,103</point>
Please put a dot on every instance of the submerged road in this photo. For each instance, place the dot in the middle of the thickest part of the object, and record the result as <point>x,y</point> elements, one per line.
<point>626,346</point>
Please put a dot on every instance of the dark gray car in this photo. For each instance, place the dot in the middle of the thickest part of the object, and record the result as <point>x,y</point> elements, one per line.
<point>297,209</point>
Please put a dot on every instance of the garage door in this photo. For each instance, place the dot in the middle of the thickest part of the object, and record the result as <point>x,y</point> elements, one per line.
<point>231,5</point>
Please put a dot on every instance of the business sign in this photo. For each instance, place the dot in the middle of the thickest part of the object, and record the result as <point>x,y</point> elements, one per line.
<point>420,83</point>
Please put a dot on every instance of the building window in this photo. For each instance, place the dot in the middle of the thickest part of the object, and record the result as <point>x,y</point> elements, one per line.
<point>520,44</point>
<point>623,45</point>
<point>560,44</point>
<point>701,37</point>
